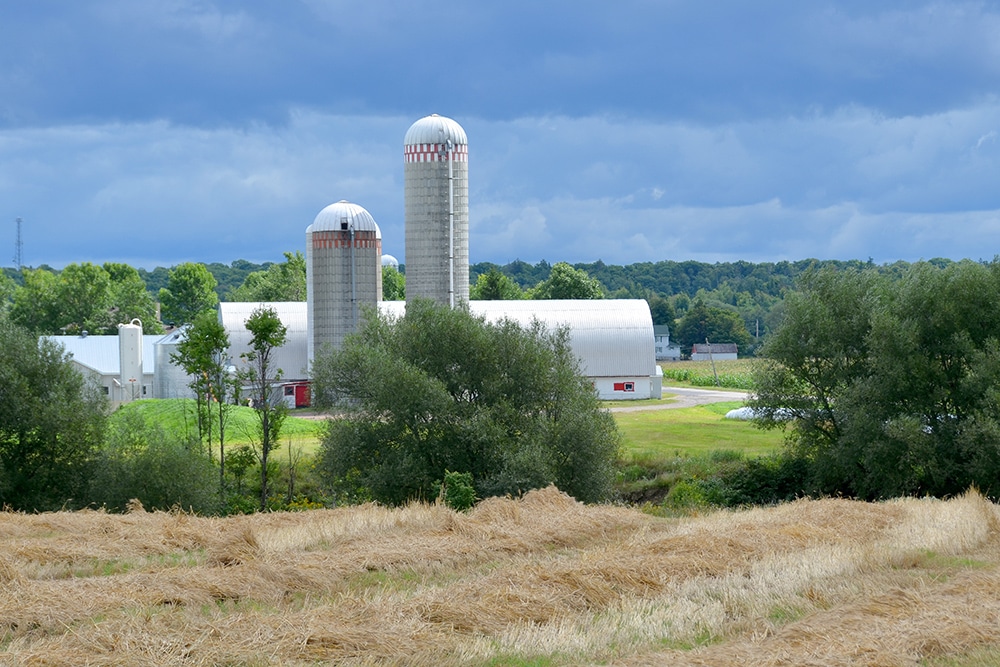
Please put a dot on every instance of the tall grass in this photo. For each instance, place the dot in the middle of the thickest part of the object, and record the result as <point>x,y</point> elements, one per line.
<point>538,581</point>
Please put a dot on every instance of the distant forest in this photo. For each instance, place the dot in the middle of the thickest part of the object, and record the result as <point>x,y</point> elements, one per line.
<point>754,290</point>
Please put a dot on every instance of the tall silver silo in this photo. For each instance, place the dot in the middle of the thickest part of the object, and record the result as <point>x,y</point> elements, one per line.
<point>343,273</point>
<point>436,177</point>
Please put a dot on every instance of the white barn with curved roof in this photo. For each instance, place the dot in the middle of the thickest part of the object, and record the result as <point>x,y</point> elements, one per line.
<point>612,338</point>
<point>292,357</point>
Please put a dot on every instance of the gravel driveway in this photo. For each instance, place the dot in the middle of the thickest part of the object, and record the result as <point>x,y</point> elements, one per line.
<point>687,397</point>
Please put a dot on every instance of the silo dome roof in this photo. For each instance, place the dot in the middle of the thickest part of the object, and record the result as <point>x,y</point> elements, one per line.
<point>389,260</point>
<point>331,217</point>
<point>435,129</point>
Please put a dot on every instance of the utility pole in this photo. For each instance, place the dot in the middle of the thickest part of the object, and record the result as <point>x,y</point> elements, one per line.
<point>18,247</point>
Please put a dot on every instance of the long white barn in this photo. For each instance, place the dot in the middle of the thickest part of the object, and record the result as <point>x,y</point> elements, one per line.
<point>613,338</point>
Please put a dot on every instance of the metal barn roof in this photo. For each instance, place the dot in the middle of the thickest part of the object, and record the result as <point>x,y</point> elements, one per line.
<point>292,356</point>
<point>611,337</point>
<point>101,353</point>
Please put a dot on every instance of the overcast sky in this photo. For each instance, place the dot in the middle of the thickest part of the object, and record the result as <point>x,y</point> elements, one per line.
<point>161,131</point>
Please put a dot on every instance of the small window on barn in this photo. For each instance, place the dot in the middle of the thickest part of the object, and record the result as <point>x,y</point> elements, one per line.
<point>289,391</point>
<point>629,386</point>
<point>107,390</point>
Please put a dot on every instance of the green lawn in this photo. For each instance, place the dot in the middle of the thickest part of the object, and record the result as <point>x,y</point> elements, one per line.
<point>692,431</point>
<point>177,415</point>
<point>657,433</point>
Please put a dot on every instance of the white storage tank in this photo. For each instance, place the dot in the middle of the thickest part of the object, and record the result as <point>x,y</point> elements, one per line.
<point>130,360</point>
<point>343,273</point>
<point>171,381</point>
<point>436,194</point>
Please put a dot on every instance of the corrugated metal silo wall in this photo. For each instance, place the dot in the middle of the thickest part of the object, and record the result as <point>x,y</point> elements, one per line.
<point>332,313</point>
<point>427,210</point>
<point>171,381</point>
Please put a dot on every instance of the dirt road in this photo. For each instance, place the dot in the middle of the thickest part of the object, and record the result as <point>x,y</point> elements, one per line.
<point>686,397</point>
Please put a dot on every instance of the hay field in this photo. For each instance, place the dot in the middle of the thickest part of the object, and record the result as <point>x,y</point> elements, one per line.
<point>538,581</point>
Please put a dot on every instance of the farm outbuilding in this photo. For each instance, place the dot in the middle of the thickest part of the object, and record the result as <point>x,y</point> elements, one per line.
<point>123,366</point>
<point>665,350</point>
<point>292,358</point>
<point>714,352</point>
<point>612,338</point>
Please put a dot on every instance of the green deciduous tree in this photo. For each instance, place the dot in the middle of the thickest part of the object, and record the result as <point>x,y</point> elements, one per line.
<point>202,355</point>
<point>717,325</point>
<point>895,386</point>
<point>84,297</point>
<point>393,284</point>
<point>129,299</point>
<point>51,423</point>
<point>662,310</point>
<point>190,290</point>
<point>7,289</point>
<point>565,282</point>
<point>285,281</point>
<point>441,390</point>
<point>36,302</point>
<point>495,286</point>
<point>262,377</point>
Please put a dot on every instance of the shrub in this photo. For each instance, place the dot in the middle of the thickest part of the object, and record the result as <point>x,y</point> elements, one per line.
<point>457,491</point>
<point>140,461</point>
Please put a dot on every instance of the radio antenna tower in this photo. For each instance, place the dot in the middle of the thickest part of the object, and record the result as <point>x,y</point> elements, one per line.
<point>18,247</point>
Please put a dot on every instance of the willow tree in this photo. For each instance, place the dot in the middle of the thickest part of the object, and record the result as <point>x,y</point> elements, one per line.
<point>441,390</point>
<point>890,388</point>
<point>51,423</point>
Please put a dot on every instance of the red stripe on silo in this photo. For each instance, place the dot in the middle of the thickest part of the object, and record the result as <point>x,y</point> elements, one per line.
<point>435,153</point>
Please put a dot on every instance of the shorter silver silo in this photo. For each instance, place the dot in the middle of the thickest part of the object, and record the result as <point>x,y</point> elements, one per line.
<point>343,273</point>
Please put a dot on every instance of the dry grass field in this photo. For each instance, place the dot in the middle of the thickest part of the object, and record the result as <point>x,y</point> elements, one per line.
<point>538,581</point>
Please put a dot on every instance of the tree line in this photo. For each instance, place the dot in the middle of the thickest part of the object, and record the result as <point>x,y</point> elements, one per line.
<point>97,298</point>
<point>886,384</point>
